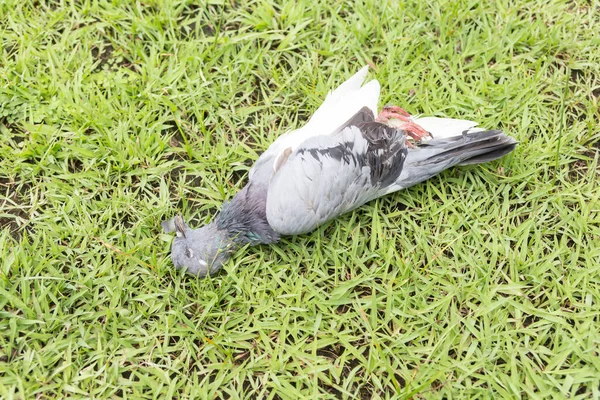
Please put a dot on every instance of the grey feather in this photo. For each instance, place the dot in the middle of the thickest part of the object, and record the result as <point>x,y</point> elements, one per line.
<point>330,175</point>
<point>434,156</point>
<point>244,218</point>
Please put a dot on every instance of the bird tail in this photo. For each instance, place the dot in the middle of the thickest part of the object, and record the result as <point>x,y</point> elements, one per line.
<point>431,157</point>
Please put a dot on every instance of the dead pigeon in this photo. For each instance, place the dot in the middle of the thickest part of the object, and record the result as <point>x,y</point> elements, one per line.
<point>346,155</point>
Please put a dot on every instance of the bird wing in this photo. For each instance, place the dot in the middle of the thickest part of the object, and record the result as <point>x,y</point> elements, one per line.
<point>339,106</point>
<point>328,175</point>
<point>343,102</point>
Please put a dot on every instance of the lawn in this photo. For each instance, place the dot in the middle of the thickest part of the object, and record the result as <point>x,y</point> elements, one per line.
<point>483,282</point>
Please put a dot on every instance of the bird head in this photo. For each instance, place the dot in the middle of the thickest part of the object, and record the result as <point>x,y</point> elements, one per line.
<point>199,251</point>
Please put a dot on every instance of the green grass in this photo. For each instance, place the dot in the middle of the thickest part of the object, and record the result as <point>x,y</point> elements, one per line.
<point>483,282</point>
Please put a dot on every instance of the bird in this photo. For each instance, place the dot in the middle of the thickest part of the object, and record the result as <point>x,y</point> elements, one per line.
<point>346,155</point>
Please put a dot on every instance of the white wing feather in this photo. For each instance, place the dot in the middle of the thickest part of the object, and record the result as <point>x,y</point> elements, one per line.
<point>344,91</point>
<point>339,106</point>
<point>441,128</point>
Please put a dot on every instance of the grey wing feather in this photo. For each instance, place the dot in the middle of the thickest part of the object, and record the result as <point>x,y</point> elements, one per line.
<point>264,162</point>
<point>329,175</point>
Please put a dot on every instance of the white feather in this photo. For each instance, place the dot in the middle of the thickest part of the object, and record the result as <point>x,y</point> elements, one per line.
<point>345,90</point>
<point>441,128</point>
<point>339,106</point>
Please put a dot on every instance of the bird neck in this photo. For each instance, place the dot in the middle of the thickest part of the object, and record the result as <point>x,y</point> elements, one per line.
<point>244,218</point>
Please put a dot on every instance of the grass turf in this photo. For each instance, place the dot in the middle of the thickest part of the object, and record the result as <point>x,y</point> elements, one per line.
<point>482,282</point>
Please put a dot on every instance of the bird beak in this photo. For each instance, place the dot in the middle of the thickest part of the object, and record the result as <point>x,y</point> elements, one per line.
<point>175,224</point>
<point>180,226</point>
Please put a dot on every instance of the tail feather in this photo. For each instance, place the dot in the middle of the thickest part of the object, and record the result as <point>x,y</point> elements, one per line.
<point>500,152</point>
<point>470,148</point>
<point>432,157</point>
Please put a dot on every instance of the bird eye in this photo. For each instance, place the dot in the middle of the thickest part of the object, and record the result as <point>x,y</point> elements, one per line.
<point>189,253</point>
